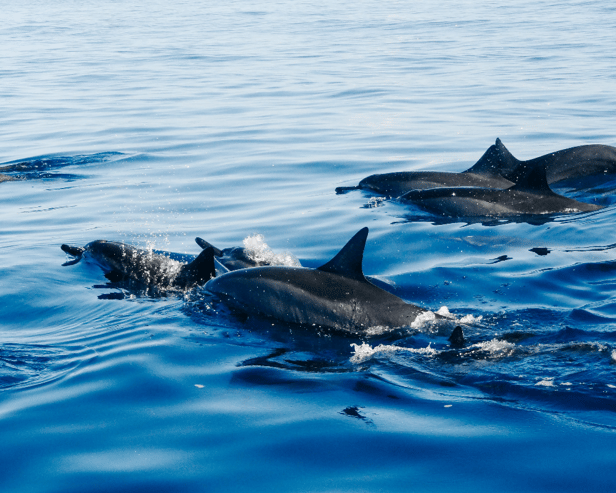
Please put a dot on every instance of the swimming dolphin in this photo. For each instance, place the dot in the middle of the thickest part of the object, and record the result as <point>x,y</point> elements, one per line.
<point>233,258</point>
<point>575,162</point>
<point>122,260</point>
<point>530,195</point>
<point>335,295</point>
<point>495,169</point>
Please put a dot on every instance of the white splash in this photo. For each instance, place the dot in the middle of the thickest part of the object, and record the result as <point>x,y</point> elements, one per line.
<point>546,382</point>
<point>614,355</point>
<point>443,311</point>
<point>259,251</point>
<point>375,202</point>
<point>377,330</point>
<point>496,347</point>
<point>422,320</point>
<point>365,351</point>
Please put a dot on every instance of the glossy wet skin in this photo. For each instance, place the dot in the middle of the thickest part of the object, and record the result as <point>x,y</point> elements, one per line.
<point>396,184</point>
<point>147,266</point>
<point>497,169</point>
<point>468,202</point>
<point>494,169</point>
<point>336,295</point>
<point>309,296</point>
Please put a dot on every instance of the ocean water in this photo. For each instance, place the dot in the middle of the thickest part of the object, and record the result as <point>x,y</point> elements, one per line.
<point>154,123</point>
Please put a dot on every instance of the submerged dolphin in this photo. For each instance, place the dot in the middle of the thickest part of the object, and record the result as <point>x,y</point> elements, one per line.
<point>530,195</point>
<point>122,260</point>
<point>336,294</point>
<point>495,169</point>
<point>234,258</point>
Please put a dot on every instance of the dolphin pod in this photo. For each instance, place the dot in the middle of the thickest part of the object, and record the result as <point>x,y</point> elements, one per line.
<point>498,184</point>
<point>497,168</point>
<point>531,194</point>
<point>336,295</point>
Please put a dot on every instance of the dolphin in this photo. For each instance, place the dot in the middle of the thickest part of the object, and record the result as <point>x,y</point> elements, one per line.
<point>495,169</point>
<point>531,194</point>
<point>121,260</point>
<point>575,162</point>
<point>233,258</point>
<point>335,295</point>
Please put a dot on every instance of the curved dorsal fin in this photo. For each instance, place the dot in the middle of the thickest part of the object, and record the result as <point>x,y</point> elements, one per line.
<point>531,178</point>
<point>497,160</point>
<point>206,244</point>
<point>348,261</point>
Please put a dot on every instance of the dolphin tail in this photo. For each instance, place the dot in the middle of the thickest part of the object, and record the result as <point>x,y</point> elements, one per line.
<point>497,160</point>
<point>199,271</point>
<point>204,244</point>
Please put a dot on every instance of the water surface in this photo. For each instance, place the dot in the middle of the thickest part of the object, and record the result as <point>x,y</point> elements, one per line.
<point>156,123</point>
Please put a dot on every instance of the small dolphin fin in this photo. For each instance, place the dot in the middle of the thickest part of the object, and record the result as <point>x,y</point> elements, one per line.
<point>204,244</point>
<point>497,160</point>
<point>531,178</point>
<point>457,337</point>
<point>199,271</point>
<point>348,261</point>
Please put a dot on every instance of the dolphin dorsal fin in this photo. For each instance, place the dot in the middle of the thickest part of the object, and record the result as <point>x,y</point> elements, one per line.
<point>531,178</point>
<point>348,261</point>
<point>205,244</point>
<point>200,270</point>
<point>497,160</point>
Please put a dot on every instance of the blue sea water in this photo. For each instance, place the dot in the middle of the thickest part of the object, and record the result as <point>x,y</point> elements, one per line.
<point>153,123</point>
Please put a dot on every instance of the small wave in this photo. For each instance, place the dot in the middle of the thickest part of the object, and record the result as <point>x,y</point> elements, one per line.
<point>24,365</point>
<point>258,251</point>
<point>495,347</point>
<point>464,319</point>
<point>365,352</point>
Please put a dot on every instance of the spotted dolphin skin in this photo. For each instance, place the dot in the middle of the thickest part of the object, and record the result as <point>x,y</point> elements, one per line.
<point>335,295</point>
<point>126,261</point>
<point>530,195</point>
<point>494,169</point>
